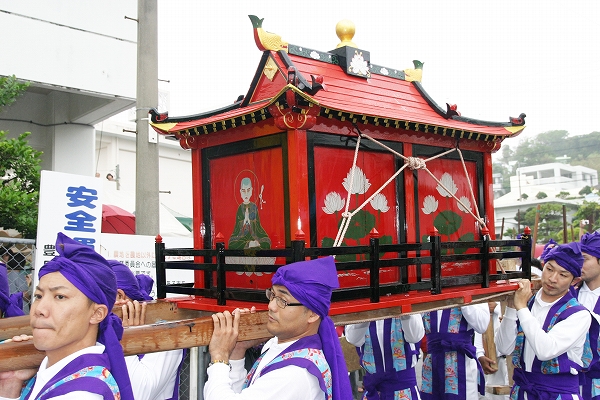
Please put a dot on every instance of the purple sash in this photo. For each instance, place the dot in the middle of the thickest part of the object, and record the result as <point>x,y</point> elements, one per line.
<point>593,369</point>
<point>383,384</point>
<point>560,311</point>
<point>438,344</point>
<point>83,384</point>
<point>310,342</point>
<point>543,386</point>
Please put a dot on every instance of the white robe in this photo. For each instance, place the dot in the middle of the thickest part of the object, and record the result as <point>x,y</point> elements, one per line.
<point>153,377</point>
<point>499,377</point>
<point>287,383</point>
<point>45,374</point>
<point>589,298</point>
<point>567,336</point>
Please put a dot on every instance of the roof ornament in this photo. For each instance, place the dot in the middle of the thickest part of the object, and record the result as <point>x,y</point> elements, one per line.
<point>451,110</point>
<point>414,74</point>
<point>518,121</point>
<point>353,60</point>
<point>266,40</point>
<point>345,30</point>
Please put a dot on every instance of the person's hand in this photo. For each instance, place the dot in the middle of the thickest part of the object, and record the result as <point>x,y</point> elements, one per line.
<point>492,306</point>
<point>11,382</point>
<point>239,351</point>
<point>489,366</point>
<point>134,313</point>
<point>522,294</point>
<point>225,334</point>
<point>19,338</point>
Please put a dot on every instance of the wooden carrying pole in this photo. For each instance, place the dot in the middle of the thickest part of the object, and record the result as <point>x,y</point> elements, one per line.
<point>535,231</point>
<point>142,339</point>
<point>564,215</point>
<point>177,328</point>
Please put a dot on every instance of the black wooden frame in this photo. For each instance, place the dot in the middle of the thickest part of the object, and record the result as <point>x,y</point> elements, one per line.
<point>214,262</point>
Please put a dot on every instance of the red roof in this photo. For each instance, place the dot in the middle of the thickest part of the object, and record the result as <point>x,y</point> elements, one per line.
<point>385,98</point>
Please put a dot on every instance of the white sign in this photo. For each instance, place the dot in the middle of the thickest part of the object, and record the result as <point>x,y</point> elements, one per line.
<point>137,252</point>
<point>70,204</point>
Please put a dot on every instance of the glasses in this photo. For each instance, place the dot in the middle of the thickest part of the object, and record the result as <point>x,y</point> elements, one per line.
<point>281,303</point>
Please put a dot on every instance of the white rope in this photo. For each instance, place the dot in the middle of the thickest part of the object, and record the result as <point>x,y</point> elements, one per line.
<point>346,221</point>
<point>414,163</point>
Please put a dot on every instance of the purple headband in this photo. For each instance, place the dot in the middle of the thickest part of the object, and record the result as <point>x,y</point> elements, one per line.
<point>89,272</point>
<point>311,283</point>
<point>130,283</point>
<point>590,244</point>
<point>547,247</point>
<point>567,256</point>
<point>11,305</point>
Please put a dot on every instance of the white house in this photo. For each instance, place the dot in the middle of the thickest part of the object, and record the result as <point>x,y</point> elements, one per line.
<point>552,179</point>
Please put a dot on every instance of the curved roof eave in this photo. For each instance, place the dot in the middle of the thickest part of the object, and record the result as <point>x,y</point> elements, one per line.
<point>256,112</point>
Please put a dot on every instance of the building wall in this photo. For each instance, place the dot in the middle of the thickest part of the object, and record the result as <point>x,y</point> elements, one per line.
<point>117,147</point>
<point>74,44</point>
<point>79,58</point>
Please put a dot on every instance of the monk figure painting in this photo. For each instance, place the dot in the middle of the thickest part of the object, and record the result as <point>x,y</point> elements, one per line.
<point>248,232</point>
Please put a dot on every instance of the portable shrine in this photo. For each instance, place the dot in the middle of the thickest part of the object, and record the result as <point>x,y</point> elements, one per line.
<point>329,153</point>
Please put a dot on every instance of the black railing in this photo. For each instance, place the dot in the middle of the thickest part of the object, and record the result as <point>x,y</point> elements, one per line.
<point>432,255</point>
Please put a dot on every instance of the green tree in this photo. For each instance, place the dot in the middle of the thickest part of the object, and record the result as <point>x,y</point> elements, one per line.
<point>541,195</point>
<point>563,195</point>
<point>549,221</point>
<point>585,190</point>
<point>511,233</point>
<point>591,211</point>
<point>19,172</point>
<point>10,89</point>
<point>541,149</point>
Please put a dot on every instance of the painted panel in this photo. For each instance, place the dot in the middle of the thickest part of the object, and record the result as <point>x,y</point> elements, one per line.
<point>247,207</point>
<point>336,189</point>
<point>437,208</point>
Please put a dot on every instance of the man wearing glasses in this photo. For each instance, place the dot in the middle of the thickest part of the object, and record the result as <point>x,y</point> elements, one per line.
<point>303,361</point>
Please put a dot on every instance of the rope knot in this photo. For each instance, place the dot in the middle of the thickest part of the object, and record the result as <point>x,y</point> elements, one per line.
<point>346,214</point>
<point>415,163</point>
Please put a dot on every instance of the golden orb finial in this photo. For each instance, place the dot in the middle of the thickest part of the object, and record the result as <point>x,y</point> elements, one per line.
<point>345,31</point>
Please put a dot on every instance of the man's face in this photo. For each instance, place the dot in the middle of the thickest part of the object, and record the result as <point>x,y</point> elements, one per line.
<point>591,268</point>
<point>555,281</point>
<point>60,317</point>
<point>289,323</point>
<point>246,193</point>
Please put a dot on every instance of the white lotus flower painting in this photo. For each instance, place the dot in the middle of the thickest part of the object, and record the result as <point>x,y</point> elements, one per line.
<point>467,204</point>
<point>380,203</point>
<point>359,184</point>
<point>333,203</point>
<point>449,188</point>
<point>430,204</point>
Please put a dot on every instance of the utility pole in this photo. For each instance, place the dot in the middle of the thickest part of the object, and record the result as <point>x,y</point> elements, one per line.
<point>146,186</point>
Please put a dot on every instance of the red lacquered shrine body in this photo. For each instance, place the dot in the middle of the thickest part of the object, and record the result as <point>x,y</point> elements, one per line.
<point>328,153</point>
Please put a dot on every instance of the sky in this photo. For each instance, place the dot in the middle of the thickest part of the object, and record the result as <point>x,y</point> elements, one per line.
<point>493,59</point>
